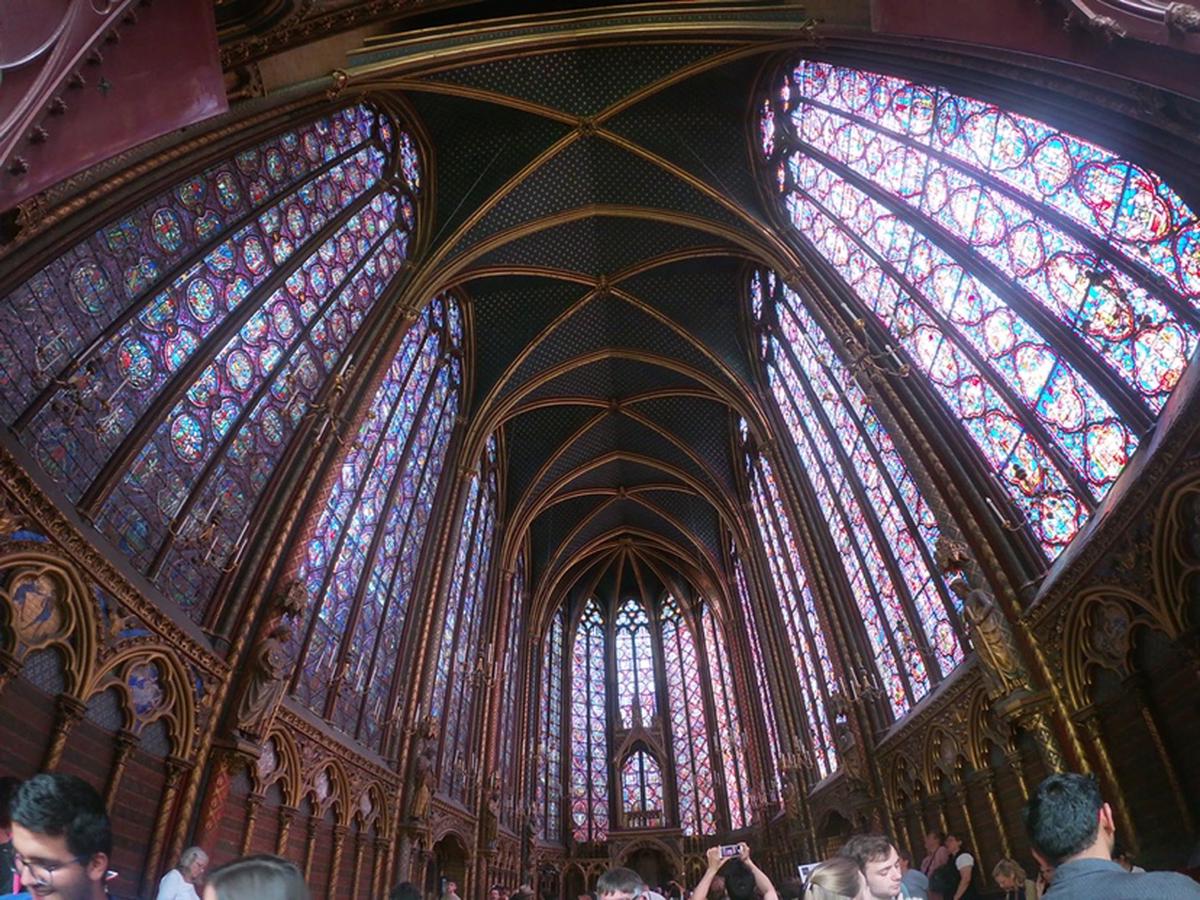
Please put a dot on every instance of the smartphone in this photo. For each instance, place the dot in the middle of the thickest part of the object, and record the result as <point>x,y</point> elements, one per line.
<point>728,850</point>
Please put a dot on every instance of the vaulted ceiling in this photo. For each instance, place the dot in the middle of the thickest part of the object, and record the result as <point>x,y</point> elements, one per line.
<point>598,206</point>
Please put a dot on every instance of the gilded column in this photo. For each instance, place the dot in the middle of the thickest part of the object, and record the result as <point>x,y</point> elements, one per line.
<point>176,770</point>
<point>335,867</point>
<point>253,804</point>
<point>287,815</point>
<point>125,741</point>
<point>1013,757</point>
<point>960,790</point>
<point>70,711</point>
<point>1037,724</point>
<point>988,782</point>
<point>310,843</point>
<point>379,866</point>
<point>1089,719</point>
<point>356,880</point>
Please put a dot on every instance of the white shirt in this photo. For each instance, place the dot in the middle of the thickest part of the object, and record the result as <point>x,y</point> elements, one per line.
<point>964,860</point>
<point>173,887</point>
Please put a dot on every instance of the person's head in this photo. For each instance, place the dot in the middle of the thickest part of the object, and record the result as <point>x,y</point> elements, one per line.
<point>716,887</point>
<point>835,879</point>
<point>933,840</point>
<point>193,863</point>
<point>954,844</point>
<point>1008,875</point>
<point>405,890</point>
<point>905,861</point>
<point>1066,818</point>
<point>791,889</point>
<point>261,877</point>
<point>8,792</point>
<point>451,887</point>
<point>739,880</point>
<point>878,861</point>
<point>495,893</point>
<point>620,883</point>
<point>61,837</point>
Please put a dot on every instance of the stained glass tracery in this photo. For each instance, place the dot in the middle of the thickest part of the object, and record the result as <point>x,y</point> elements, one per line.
<point>805,635</point>
<point>550,743</point>
<point>360,560</point>
<point>512,678</point>
<point>635,682</point>
<point>455,689</point>
<point>689,731</point>
<point>177,350</point>
<point>642,790</point>
<point>589,731</point>
<point>984,240</point>
<point>728,728</point>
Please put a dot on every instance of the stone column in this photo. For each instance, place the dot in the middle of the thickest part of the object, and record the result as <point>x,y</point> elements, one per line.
<point>253,804</point>
<point>310,843</point>
<point>70,711</point>
<point>339,843</point>
<point>176,769</point>
<point>125,741</point>
<point>287,815</point>
<point>987,781</point>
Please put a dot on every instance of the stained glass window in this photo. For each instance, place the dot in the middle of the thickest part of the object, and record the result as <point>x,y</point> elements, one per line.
<point>636,696</point>
<point>512,681</point>
<point>730,737</point>
<point>642,790</point>
<point>689,732</point>
<point>879,520</point>
<point>462,661</point>
<point>984,241</point>
<point>549,759</point>
<point>589,732</point>
<point>159,369</point>
<point>807,640</point>
<point>760,673</point>
<point>361,555</point>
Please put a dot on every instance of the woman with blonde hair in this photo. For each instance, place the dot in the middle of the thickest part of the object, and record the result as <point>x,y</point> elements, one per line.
<point>1010,878</point>
<point>835,879</point>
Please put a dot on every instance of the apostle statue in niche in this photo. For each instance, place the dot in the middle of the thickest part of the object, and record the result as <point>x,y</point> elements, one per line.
<point>424,773</point>
<point>491,813</point>
<point>1004,673</point>
<point>265,684</point>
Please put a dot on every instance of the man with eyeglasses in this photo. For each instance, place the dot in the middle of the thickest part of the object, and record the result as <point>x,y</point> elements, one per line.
<point>62,839</point>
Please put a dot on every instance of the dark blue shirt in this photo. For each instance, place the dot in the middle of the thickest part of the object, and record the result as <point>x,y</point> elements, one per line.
<point>1103,879</point>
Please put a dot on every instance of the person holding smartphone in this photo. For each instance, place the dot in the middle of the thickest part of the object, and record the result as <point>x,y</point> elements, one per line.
<point>743,879</point>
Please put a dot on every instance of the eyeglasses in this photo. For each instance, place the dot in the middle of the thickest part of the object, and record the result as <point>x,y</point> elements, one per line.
<point>41,872</point>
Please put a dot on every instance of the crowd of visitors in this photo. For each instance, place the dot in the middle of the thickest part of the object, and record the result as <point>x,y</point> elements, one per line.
<point>56,841</point>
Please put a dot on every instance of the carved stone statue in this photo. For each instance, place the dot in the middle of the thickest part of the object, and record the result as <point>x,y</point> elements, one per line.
<point>424,773</point>
<point>529,841</point>
<point>490,818</point>
<point>265,684</point>
<point>1004,673</point>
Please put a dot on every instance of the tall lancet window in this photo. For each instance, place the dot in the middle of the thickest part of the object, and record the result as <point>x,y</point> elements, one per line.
<point>511,688</point>
<point>760,671</point>
<point>361,555</point>
<point>881,524</point>
<point>689,733</point>
<point>730,737</point>
<point>550,738</point>
<point>636,695</point>
<point>159,369</point>
<point>1045,287</point>
<point>589,731</point>
<point>463,661</point>
<point>809,651</point>
<point>642,790</point>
